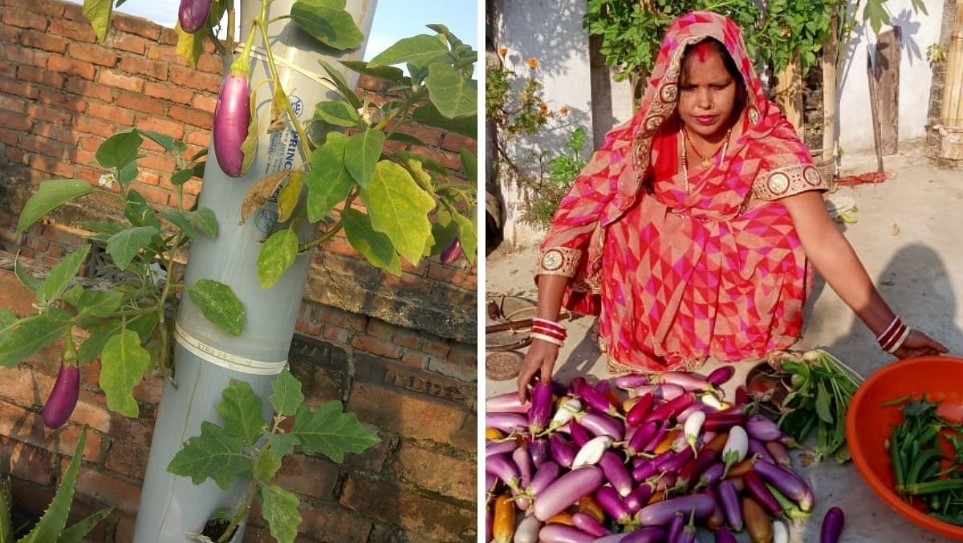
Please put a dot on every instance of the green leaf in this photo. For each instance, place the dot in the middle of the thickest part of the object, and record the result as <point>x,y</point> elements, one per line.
<point>467,235</point>
<point>361,154</point>
<point>283,444</point>
<point>242,412</point>
<point>290,196</point>
<point>179,219</point>
<point>420,50</point>
<point>138,211</point>
<point>102,229</point>
<point>277,255</point>
<point>182,176</point>
<point>215,454</point>
<point>99,335</point>
<point>338,113</point>
<point>119,150</point>
<point>388,73</point>
<point>168,143</point>
<point>443,30</point>
<point>428,114</point>
<point>32,283</point>
<point>266,465</point>
<point>287,397</point>
<point>219,305</point>
<point>875,12</point>
<point>823,399</point>
<point>49,196</point>
<point>97,303</point>
<point>328,180</point>
<point>190,47</point>
<point>25,338</point>
<point>204,220</point>
<point>124,245</point>
<point>98,12</point>
<point>375,246</point>
<point>249,145</point>
<point>332,432</point>
<point>332,27</point>
<point>398,207</point>
<point>469,165</point>
<point>405,138</point>
<point>279,508</point>
<point>7,318</point>
<point>123,364</point>
<point>51,524</point>
<point>339,81</point>
<point>450,92</point>
<point>77,532</point>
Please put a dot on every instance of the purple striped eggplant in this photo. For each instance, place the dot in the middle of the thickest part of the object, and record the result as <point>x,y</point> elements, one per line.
<point>730,505</point>
<point>452,253</point>
<point>192,14</point>
<point>640,410</point>
<point>692,382</point>
<point>691,472</point>
<point>832,526</point>
<point>639,497</point>
<point>589,525</point>
<point>578,433</point>
<point>722,421</point>
<point>779,453</point>
<point>559,533</point>
<point>232,119</point>
<point>613,505</point>
<point>506,403</point>
<point>763,428</point>
<point>523,461</point>
<point>544,476</point>
<point>661,513</point>
<point>538,448</point>
<point>721,375</point>
<point>491,482</point>
<point>788,482</point>
<point>63,397</point>
<point>712,475</point>
<point>646,534</point>
<point>676,461</point>
<point>616,473</point>
<point>592,396</point>
<point>500,447</point>
<point>670,409</point>
<point>758,449</point>
<point>540,413</point>
<point>760,492</point>
<point>641,437</point>
<point>562,450</point>
<point>566,490</point>
<point>676,525</point>
<point>632,381</point>
<point>506,422</point>
<point>602,424</point>
<point>502,466</point>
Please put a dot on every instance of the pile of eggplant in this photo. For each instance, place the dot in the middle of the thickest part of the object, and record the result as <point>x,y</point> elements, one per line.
<point>639,459</point>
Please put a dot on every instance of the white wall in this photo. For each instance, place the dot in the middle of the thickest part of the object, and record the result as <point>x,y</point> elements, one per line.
<point>855,116</point>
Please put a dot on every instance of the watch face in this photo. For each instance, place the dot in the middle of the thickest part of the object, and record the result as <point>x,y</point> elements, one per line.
<point>552,260</point>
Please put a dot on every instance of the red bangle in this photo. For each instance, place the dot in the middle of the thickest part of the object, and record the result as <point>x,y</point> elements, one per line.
<point>892,325</point>
<point>892,341</point>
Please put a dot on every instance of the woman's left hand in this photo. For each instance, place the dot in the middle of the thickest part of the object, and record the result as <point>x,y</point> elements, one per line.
<point>919,344</point>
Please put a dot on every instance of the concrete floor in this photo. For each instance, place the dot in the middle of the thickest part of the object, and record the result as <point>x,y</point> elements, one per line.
<point>908,236</point>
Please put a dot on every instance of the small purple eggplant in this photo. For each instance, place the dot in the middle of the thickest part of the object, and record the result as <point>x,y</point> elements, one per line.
<point>729,502</point>
<point>601,424</point>
<point>763,429</point>
<point>232,119</point>
<point>559,533</point>
<point>566,490</point>
<point>589,525</point>
<point>526,468</point>
<point>502,466</point>
<point>63,397</point>
<point>613,505</point>
<point>725,536</point>
<point>757,489</point>
<point>721,375</point>
<point>661,513</point>
<point>647,534</point>
<point>616,473</point>
<point>562,450</point>
<point>540,413</point>
<point>788,482</point>
<point>544,476</point>
<point>832,526</point>
<point>192,14</point>
<point>452,253</point>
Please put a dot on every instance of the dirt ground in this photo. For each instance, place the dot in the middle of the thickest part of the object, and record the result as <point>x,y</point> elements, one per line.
<point>907,232</point>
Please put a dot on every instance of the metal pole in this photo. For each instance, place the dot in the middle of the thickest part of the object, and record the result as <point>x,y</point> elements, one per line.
<point>206,359</point>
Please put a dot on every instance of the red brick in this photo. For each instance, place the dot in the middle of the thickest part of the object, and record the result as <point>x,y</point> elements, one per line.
<point>440,347</point>
<point>140,66</point>
<point>27,462</point>
<point>18,88</point>
<point>124,532</point>
<point>74,12</point>
<point>432,519</point>
<point>333,524</point>
<point>16,105</point>
<point>193,117</point>
<point>23,18</point>
<point>370,83</point>
<point>15,121</point>
<point>73,30</point>
<point>51,165</point>
<point>28,427</point>
<point>377,347</point>
<point>30,497</point>
<point>129,442</point>
<point>169,36</point>
<point>61,101</point>
<point>428,136</point>
<point>70,66</point>
<point>381,329</point>
<point>44,41</point>
<point>154,195</point>
<point>409,339</point>
<point>60,132</point>
<point>162,163</point>
<point>137,26</point>
<point>88,90</point>
<point>41,145</point>
<point>97,127</point>
<point>200,138</point>
<point>138,102</point>
<point>111,491</point>
<point>48,114</point>
<point>111,113</point>
<point>126,82</point>
<point>95,54</point>
<point>12,154</point>
<point>213,64</point>
<point>40,76</point>
<point>167,91</point>
<point>7,69</point>
<point>456,142</point>
<point>164,53</point>
<point>167,128</point>
<point>405,413</point>
<point>51,8</point>
<point>308,476</point>
<point>126,42</point>
<point>204,103</point>
<point>435,471</point>
<point>192,79</point>
<point>449,160</point>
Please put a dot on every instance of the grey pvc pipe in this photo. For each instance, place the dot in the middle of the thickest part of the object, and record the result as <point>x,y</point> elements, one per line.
<point>206,359</point>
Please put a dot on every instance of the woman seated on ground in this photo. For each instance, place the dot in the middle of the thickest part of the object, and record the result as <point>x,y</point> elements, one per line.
<point>692,230</point>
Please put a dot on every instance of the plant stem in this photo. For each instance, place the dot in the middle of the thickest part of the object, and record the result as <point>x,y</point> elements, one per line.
<point>241,513</point>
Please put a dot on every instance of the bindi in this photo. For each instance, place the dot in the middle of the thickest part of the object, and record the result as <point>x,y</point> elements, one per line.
<point>703,50</point>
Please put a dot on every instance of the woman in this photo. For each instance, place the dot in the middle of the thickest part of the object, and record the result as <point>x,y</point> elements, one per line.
<point>692,230</point>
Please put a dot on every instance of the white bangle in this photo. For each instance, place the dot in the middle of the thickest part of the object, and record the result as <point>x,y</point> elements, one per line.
<point>544,337</point>
<point>899,342</point>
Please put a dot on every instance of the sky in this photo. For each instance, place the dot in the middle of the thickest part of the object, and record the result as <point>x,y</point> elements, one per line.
<point>394,19</point>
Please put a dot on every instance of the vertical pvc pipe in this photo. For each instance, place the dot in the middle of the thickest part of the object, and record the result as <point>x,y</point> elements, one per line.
<point>206,359</point>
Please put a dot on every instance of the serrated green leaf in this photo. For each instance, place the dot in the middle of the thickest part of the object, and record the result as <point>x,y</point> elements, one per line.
<point>190,47</point>
<point>398,207</point>
<point>361,155</point>
<point>124,245</point>
<point>242,412</point>
<point>290,196</point>
<point>469,165</point>
<point>120,149</point>
<point>32,283</point>
<point>876,13</point>
<point>338,113</point>
<point>280,509</point>
<point>452,94</point>
<point>332,432</point>
<point>92,347</point>
<point>214,454</point>
<point>287,397</point>
<point>204,220</point>
<point>277,255</point>
<point>25,338</point>
<point>179,219</point>
<point>332,27</point>
<point>375,246</point>
<point>49,196</point>
<point>467,235</point>
<point>51,524</point>
<point>388,73</point>
<point>420,50</point>
<point>98,12</point>
<point>97,303</point>
<point>328,181</point>
<point>219,305</point>
<point>283,444</point>
<point>428,114</point>
<point>138,211</point>
<point>266,465</point>
<point>77,532</point>
<point>341,83</point>
<point>123,364</point>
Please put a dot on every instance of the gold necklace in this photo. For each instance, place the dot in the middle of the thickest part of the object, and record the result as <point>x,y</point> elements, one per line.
<point>706,161</point>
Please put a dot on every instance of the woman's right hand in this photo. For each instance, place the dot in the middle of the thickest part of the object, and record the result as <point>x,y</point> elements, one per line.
<point>541,358</point>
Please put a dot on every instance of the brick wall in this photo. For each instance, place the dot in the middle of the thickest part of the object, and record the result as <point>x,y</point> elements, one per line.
<point>399,351</point>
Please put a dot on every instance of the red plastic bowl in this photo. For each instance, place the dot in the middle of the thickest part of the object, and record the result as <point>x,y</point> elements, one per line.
<point>869,424</point>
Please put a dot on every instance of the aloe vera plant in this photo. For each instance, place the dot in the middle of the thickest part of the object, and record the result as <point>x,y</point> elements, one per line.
<point>52,527</point>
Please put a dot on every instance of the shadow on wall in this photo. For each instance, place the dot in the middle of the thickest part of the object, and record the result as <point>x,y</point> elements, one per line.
<point>549,36</point>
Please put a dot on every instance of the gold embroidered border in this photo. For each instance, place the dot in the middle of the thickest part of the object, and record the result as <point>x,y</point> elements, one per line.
<point>787,181</point>
<point>559,261</point>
